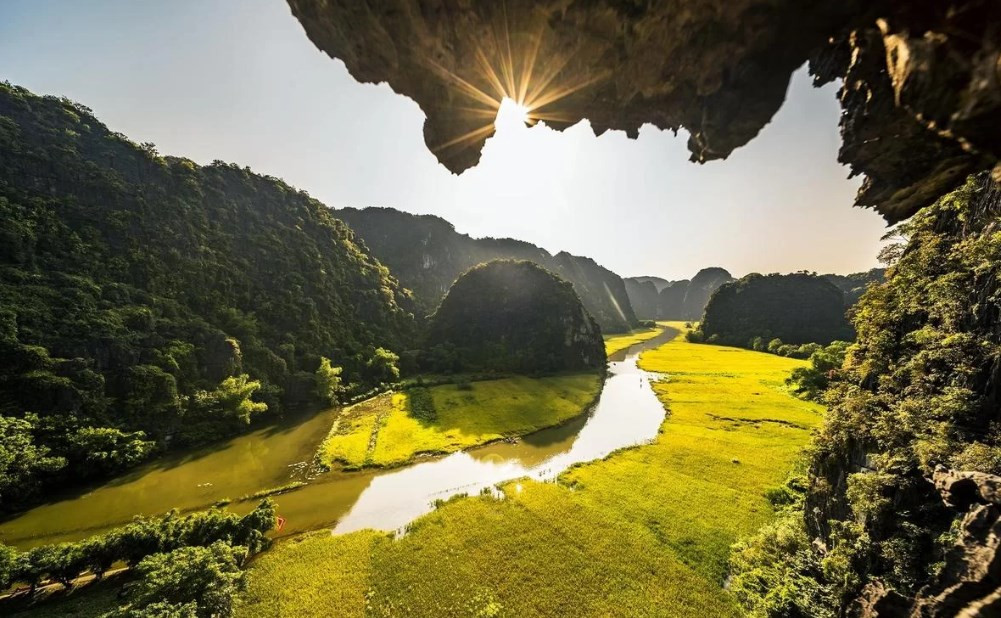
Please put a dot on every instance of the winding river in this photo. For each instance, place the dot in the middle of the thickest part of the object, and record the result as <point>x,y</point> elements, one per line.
<point>627,413</point>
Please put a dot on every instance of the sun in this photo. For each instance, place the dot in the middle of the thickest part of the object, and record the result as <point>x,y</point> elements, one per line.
<point>511,115</point>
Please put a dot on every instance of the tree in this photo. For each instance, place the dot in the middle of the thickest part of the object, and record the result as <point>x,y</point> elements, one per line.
<point>8,566</point>
<point>328,382</point>
<point>810,382</point>
<point>21,460</point>
<point>382,366</point>
<point>232,399</point>
<point>199,581</point>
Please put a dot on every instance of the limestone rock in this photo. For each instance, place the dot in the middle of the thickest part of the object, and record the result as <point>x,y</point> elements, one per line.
<point>921,94</point>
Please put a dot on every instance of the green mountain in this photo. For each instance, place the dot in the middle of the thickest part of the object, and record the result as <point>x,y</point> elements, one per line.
<point>797,308</point>
<point>427,255</point>
<point>855,284</point>
<point>146,299</point>
<point>509,315</point>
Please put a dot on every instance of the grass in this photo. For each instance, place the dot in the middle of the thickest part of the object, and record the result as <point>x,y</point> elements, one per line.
<point>644,532</point>
<point>617,343</point>
<point>393,428</point>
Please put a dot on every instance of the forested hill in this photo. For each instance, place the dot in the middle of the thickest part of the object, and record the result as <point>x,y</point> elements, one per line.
<point>509,315</point>
<point>148,293</point>
<point>427,255</point>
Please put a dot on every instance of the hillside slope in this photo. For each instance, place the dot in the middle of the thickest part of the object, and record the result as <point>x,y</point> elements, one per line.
<point>427,255</point>
<point>148,293</point>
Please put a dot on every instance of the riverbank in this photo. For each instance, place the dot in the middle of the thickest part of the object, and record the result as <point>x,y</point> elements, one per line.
<point>620,342</point>
<point>394,429</point>
<point>645,531</point>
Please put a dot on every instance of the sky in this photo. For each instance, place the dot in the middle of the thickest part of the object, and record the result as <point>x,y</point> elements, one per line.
<point>238,80</point>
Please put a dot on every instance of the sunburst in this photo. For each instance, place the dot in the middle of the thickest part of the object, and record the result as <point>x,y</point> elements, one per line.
<point>521,73</point>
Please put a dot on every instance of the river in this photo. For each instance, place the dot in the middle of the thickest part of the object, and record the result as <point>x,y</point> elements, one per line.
<point>627,413</point>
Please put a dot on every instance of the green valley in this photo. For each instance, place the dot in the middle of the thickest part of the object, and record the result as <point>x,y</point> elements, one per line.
<point>471,339</point>
<point>646,531</point>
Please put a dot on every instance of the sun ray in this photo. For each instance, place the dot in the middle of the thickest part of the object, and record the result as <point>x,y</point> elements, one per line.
<point>490,73</point>
<point>467,87</point>
<point>469,137</point>
<point>523,73</point>
<point>556,95</point>
<point>528,67</point>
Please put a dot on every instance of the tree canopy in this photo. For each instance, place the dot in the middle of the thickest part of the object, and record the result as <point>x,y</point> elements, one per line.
<point>147,301</point>
<point>797,308</point>
<point>514,316</point>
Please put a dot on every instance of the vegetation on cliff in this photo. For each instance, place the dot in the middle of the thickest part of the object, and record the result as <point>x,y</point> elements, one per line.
<point>147,301</point>
<point>428,255</point>
<point>918,389</point>
<point>513,316</point>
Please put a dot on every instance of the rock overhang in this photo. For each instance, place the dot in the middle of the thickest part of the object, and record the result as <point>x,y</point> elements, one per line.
<point>921,82</point>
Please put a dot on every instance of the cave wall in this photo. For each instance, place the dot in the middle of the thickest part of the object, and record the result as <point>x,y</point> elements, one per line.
<point>921,93</point>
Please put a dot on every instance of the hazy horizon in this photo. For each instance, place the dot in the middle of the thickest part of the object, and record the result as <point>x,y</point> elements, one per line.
<point>242,83</point>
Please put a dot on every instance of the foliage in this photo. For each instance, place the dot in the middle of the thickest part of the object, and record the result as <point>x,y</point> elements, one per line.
<point>196,581</point>
<point>644,532</point>
<point>146,300</point>
<point>855,284</point>
<point>797,308</point>
<point>512,316</point>
<point>23,463</point>
<point>771,572</point>
<point>918,389</point>
<point>382,368</point>
<point>136,542</point>
<point>810,382</point>
<point>328,382</point>
<point>392,428</point>
<point>427,255</point>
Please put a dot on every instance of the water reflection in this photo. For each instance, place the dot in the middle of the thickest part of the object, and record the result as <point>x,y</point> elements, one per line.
<point>626,413</point>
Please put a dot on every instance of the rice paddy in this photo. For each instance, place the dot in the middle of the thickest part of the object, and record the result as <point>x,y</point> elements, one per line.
<point>644,532</point>
<point>387,430</point>
<point>617,343</point>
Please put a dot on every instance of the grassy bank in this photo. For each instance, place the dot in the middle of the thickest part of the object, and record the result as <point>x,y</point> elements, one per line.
<point>617,343</point>
<point>392,428</point>
<point>645,532</point>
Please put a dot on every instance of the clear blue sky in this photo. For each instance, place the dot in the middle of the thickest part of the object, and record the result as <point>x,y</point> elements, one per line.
<point>238,80</point>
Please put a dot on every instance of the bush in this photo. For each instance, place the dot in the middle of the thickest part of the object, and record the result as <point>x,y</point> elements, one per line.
<point>695,336</point>
<point>810,382</point>
<point>199,581</point>
<point>135,541</point>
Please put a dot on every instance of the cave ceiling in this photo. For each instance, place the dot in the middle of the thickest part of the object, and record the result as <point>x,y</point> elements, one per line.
<point>920,81</point>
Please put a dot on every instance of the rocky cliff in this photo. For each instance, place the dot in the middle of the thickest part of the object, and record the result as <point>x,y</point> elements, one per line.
<point>924,73</point>
<point>644,297</point>
<point>427,255</point>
